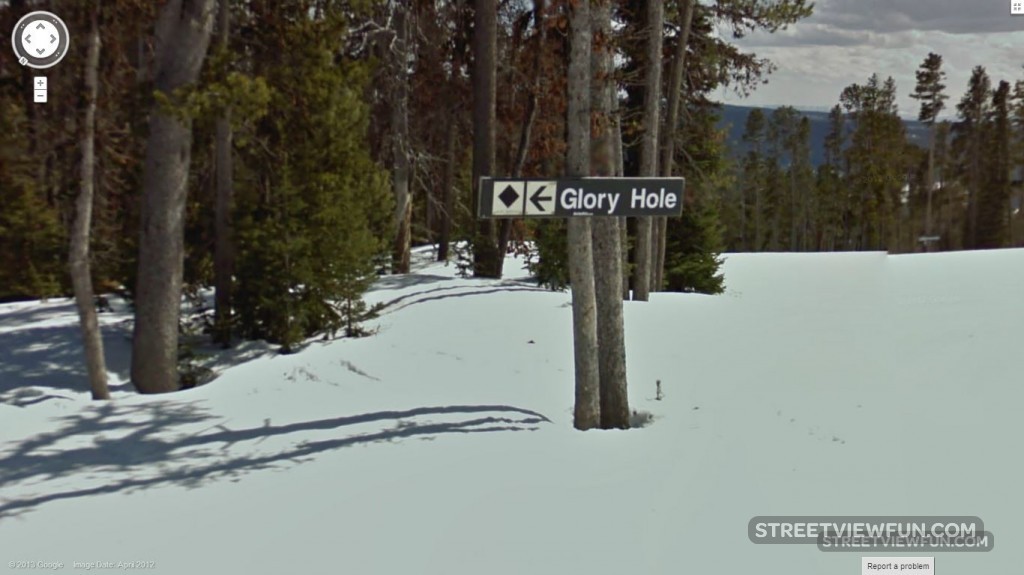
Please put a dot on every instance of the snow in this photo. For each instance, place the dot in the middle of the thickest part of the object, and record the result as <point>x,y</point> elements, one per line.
<point>818,384</point>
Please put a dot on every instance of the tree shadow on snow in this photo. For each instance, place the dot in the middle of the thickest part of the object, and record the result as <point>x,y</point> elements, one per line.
<point>406,281</point>
<point>52,357</point>
<point>443,293</point>
<point>109,448</point>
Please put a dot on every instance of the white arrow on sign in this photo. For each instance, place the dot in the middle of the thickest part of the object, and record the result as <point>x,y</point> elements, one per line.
<point>508,199</point>
<point>540,198</point>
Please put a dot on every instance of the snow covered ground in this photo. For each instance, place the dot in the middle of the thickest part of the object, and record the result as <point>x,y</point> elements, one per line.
<point>838,384</point>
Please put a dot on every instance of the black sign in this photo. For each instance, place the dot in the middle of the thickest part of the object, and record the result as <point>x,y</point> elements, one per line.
<point>616,197</point>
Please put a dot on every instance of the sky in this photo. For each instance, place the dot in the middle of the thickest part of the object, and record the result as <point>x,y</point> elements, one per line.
<point>845,41</point>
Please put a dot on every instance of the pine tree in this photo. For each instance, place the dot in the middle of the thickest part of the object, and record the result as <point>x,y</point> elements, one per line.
<point>316,209</point>
<point>487,259</point>
<point>695,239</point>
<point>587,409</point>
<point>930,91</point>
<point>993,207</point>
<point>832,196</point>
<point>653,30</point>
<point>875,162</point>
<point>973,109</point>
<point>753,180</point>
<point>31,238</point>
<point>1017,153</point>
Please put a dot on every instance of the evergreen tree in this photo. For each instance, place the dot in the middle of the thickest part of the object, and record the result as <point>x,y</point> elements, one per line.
<point>31,238</point>
<point>974,110</point>
<point>753,180</point>
<point>695,240</point>
<point>930,91</point>
<point>831,194</point>
<point>993,208</point>
<point>316,208</point>
<point>1017,156</point>
<point>875,162</point>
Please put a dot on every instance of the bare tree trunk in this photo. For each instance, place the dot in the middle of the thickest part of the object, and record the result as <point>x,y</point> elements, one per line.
<point>581,258</point>
<point>531,105</point>
<point>668,135</point>
<point>649,143</point>
<point>448,184</point>
<point>620,171</point>
<point>182,37</point>
<point>606,233</point>
<point>400,147</point>
<point>81,275</point>
<point>224,246</point>
<point>487,261</point>
<point>522,150</point>
<point>929,182</point>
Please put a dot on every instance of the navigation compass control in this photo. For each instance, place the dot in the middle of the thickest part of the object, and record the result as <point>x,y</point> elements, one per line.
<point>40,40</point>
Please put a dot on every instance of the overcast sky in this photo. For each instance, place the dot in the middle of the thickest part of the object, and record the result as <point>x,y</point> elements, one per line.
<point>845,41</point>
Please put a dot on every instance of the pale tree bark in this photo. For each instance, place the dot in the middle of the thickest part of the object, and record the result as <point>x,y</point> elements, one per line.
<point>653,19</point>
<point>487,261</point>
<point>606,235</point>
<point>620,171</point>
<point>224,245</point>
<point>668,135</point>
<point>183,31</point>
<point>400,173</point>
<point>81,275</point>
<point>581,259</point>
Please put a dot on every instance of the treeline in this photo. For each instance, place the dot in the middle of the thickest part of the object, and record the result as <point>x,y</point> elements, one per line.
<point>286,152</point>
<point>876,190</point>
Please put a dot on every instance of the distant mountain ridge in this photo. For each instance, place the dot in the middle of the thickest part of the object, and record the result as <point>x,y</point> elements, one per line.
<point>734,118</point>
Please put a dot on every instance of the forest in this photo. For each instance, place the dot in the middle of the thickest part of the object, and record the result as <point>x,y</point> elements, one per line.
<point>284,154</point>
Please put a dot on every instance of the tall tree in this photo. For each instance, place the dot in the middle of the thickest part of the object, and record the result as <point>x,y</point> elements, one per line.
<point>581,257</point>
<point>973,110</point>
<point>831,194</point>
<point>930,91</point>
<point>875,161</point>
<point>454,90</point>
<point>668,135</point>
<point>183,30</point>
<point>224,248</point>
<point>606,232</point>
<point>487,259</point>
<point>400,172</point>
<point>1017,149</point>
<point>994,200</point>
<point>316,209</point>
<point>754,180</point>
<point>653,20</point>
<point>81,274</point>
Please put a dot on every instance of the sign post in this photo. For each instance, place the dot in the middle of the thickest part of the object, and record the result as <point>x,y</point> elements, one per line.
<point>571,197</point>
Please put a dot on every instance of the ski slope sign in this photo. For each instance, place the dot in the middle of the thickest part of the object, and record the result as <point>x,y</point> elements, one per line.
<point>612,197</point>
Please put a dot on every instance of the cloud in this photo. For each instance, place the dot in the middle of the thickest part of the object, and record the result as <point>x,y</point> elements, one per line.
<point>848,40</point>
<point>812,34</point>
<point>950,16</point>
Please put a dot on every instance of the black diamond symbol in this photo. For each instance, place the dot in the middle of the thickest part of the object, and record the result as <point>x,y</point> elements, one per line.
<point>509,196</point>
